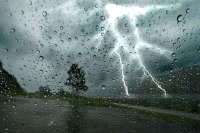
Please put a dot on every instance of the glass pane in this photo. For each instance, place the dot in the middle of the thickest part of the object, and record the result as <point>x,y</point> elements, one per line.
<point>99,66</point>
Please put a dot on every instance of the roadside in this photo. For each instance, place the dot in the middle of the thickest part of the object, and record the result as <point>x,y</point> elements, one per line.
<point>184,119</point>
<point>24,114</point>
<point>164,111</point>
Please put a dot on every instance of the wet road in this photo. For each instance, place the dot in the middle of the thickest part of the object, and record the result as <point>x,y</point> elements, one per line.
<point>26,115</point>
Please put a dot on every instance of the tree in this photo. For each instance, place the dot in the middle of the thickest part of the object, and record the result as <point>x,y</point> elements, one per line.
<point>76,79</point>
<point>45,90</point>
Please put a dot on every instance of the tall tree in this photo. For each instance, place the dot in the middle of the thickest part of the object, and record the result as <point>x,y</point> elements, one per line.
<point>45,90</point>
<point>76,79</point>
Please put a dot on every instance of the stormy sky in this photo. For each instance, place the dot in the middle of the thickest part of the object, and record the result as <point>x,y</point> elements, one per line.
<point>40,39</point>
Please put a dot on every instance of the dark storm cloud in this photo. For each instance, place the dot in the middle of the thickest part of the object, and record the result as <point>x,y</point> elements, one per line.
<point>40,40</point>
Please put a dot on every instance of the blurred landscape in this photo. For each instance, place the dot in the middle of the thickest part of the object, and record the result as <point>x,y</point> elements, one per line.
<point>182,87</point>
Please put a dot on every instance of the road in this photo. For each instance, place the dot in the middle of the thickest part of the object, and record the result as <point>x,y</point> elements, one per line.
<point>25,115</point>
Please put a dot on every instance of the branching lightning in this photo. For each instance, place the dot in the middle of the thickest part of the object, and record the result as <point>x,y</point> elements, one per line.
<point>117,11</point>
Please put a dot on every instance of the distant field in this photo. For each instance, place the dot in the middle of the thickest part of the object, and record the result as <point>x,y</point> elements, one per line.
<point>184,105</point>
<point>190,105</point>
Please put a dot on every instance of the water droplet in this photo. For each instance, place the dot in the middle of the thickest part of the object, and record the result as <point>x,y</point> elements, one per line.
<point>41,58</point>
<point>187,10</point>
<point>30,3</point>
<point>199,50</point>
<point>173,54</point>
<point>92,48</point>
<point>22,12</point>
<point>14,106</point>
<point>38,51</point>
<point>40,27</point>
<point>96,6</point>
<point>76,38</point>
<point>180,18</point>
<point>175,60</point>
<point>103,87</point>
<point>41,71</point>
<point>22,125</point>
<point>13,30</point>
<point>85,9</point>
<point>44,13</point>
<point>79,54</point>
<point>69,39</point>
<point>102,18</point>
<point>61,27</point>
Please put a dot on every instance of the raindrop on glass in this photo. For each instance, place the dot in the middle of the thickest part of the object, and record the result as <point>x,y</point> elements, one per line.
<point>30,3</point>
<point>14,106</point>
<point>69,39</point>
<point>79,54</point>
<point>102,18</point>
<point>22,12</point>
<point>179,18</point>
<point>41,58</point>
<point>96,6</point>
<point>13,30</point>
<point>103,87</point>
<point>187,10</point>
<point>85,9</point>
<point>44,13</point>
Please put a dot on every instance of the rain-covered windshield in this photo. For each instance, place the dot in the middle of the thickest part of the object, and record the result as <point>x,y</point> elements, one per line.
<point>99,66</point>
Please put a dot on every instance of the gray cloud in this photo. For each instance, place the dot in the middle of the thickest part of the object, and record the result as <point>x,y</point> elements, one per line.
<point>40,40</point>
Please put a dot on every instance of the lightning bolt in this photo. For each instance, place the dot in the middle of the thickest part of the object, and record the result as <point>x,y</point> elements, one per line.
<point>123,76</point>
<point>117,11</point>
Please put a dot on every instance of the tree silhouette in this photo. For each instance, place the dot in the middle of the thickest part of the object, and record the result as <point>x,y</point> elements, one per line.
<point>76,79</point>
<point>45,90</point>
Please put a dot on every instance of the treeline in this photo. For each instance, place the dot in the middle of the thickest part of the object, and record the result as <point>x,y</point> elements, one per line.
<point>46,91</point>
<point>8,82</point>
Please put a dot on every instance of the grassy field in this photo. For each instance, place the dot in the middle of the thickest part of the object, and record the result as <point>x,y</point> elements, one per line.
<point>179,104</point>
<point>184,105</point>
